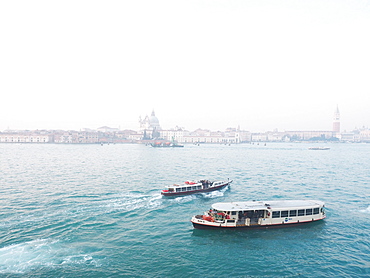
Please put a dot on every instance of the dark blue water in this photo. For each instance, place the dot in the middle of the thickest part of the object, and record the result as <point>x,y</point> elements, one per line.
<point>96,211</point>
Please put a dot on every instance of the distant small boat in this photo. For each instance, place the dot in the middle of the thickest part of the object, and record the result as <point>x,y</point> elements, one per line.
<point>319,148</point>
<point>166,145</point>
<point>191,187</point>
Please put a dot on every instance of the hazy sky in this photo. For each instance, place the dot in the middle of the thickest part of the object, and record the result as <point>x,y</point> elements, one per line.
<point>208,64</point>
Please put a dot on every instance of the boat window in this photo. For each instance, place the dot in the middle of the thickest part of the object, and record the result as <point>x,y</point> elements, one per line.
<point>316,211</point>
<point>183,189</point>
<point>308,211</point>
<point>199,187</point>
<point>230,221</point>
<point>188,188</point>
<point>292,213</point>
<point>284,213</point>
<point>193,187</point>
<point>178,189</point>
<point>276,214</point>
<point>300,212</point>
<point>233,213</point>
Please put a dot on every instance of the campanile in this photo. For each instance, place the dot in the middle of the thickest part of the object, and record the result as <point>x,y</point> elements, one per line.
<point>336,121</point>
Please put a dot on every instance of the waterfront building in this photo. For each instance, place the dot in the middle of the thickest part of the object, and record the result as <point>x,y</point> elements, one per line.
<point>347,137</point>
<point>356,136</point>
<point>76,137</point>
<point>195,138</point>
<point>259,137</point>
<point>107,129</point>
<point>365,135</point>
<point>276,136</point>
<point>242,136</point>
<point>125,136</point>
<point>26,137</point>
<point>230,136</point>
<point>135,137</point>
<point>309,135</point>
<point>177,134</point>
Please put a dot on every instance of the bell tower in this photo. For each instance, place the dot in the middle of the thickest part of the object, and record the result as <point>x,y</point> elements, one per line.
<point>336,121</point>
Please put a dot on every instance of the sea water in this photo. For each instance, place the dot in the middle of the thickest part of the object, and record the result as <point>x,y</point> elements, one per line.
<point>96,211</point>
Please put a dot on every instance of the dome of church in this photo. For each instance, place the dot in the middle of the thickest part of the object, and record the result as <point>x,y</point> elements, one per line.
<point>153,120</point>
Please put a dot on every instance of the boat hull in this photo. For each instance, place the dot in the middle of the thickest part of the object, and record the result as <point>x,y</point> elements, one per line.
<point>252,227</point>
<point>210,189</point>
<point>166,145</point>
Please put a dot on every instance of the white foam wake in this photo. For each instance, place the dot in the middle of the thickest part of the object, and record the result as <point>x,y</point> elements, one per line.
<point>25,256</point>
<point>215,194</point>
<point>367,210</point>
<point>131,202</point>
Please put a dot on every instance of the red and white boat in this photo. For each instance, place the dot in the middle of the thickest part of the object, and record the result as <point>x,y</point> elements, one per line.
<point>260,214</point>
<point>191,187</point>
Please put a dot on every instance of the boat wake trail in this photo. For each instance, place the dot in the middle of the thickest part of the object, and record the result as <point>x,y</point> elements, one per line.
<point>55,250</point>
<point>183,199</point>
<point>27,256</point>
<point>133,201</point>
<point>215,194</point>
<point>75,213</point>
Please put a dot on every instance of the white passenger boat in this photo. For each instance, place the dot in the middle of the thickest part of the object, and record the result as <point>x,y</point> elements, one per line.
<point>319,148</point>
<point>191,187</point>
<point>260,214</point>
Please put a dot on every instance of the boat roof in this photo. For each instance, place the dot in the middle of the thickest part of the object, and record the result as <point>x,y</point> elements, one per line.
<point>194,183</point>
<point>185,184</point>
<point>260,205</point>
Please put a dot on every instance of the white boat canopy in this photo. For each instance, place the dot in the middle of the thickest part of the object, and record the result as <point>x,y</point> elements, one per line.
<point>262,205</point>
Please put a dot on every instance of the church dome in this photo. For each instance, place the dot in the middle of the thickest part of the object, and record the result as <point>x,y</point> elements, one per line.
<point>153,121</point>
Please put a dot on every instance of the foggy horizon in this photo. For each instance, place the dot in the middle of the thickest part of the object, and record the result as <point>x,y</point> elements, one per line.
<point>260,65</point>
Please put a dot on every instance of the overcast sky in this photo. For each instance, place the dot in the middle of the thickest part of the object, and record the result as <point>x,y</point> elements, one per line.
<point>199,64</point>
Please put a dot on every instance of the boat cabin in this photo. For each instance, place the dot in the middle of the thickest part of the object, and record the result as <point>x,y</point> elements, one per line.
<point>193,186</point>
<point>188,186</point>
<point>239,214</point>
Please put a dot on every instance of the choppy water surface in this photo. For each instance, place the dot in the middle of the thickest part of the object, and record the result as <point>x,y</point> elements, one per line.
<point>96,211</point>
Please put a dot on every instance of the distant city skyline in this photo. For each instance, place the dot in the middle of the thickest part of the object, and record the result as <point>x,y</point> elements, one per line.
<point>150,131</point>
<point>335,125</point>
<point>260,65</point>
